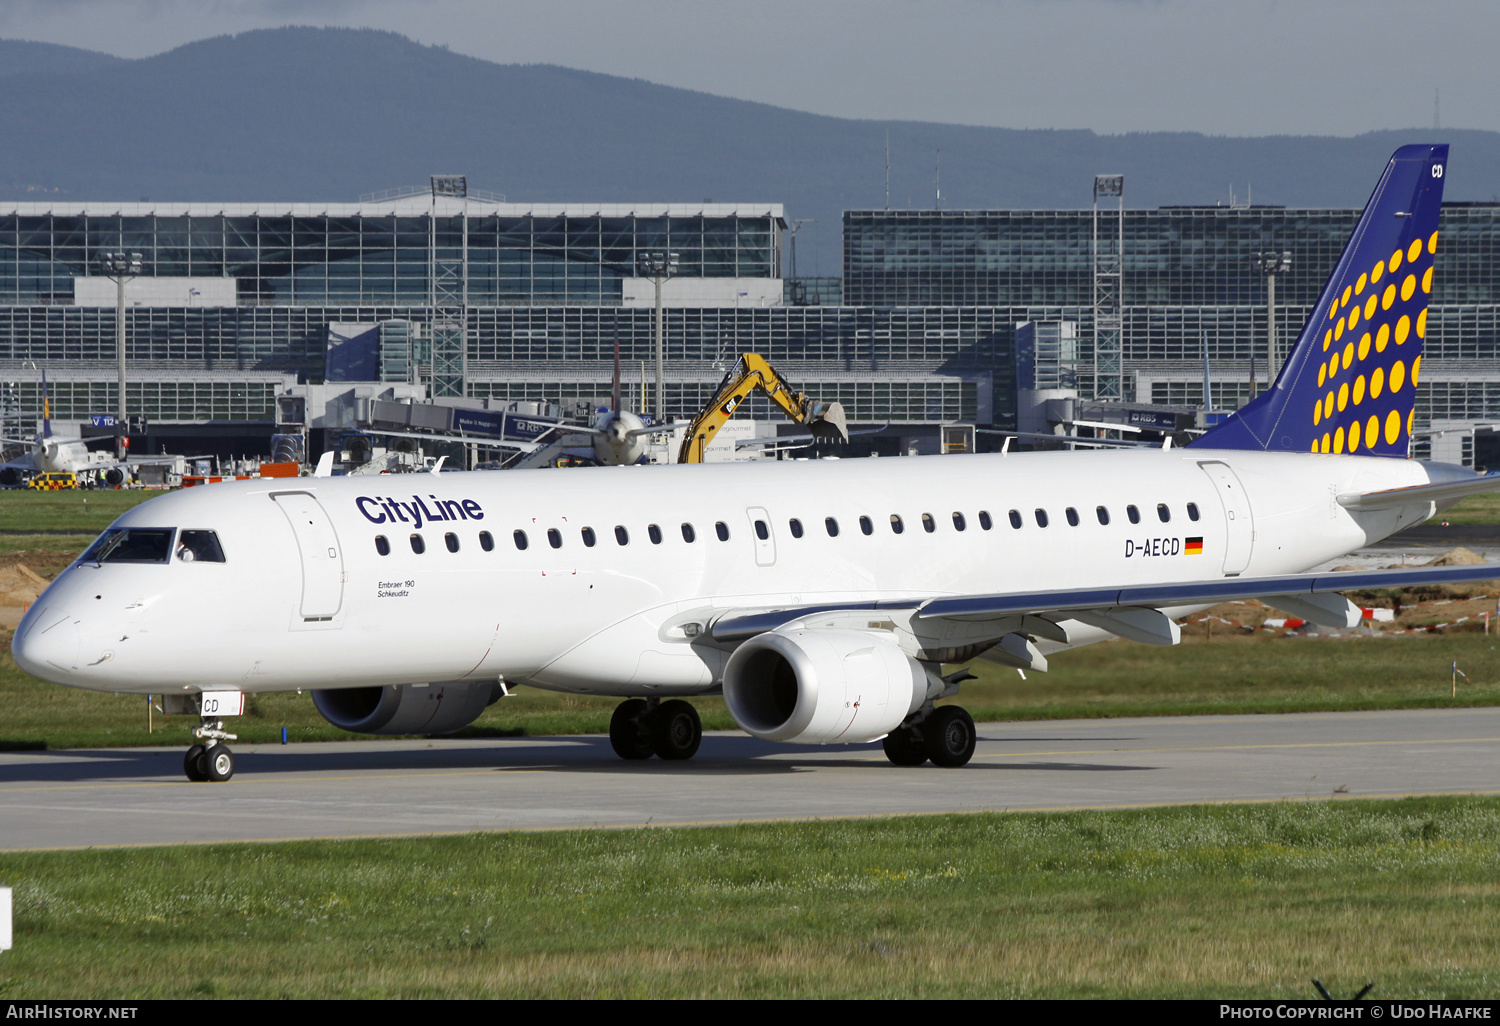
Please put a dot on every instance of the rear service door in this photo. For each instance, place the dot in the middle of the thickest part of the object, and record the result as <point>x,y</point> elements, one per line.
<point>322,558</point>
<point>1240,525</point>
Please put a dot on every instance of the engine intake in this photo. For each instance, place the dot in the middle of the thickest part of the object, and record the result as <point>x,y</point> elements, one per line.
<point>407,708</point>
<point>822,686</point>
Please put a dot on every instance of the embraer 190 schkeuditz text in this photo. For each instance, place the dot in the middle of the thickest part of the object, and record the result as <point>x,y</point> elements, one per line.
<point>821,598</point>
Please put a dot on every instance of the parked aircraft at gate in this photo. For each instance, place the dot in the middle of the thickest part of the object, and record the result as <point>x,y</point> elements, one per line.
<point>822,597</point>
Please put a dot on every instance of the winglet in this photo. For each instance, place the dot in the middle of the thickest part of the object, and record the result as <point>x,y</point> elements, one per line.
<point>325,465</point>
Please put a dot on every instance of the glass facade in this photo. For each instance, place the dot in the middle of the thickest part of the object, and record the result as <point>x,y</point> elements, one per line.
<point>1187,256</point>
<point>397,253</point>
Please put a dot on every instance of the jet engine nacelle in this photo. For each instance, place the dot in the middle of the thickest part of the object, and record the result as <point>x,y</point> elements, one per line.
<point>822,686</point>
<point>408,708</point>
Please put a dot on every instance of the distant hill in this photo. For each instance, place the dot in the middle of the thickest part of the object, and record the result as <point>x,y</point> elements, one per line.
<point>20,57</point>
<point>326,114</point>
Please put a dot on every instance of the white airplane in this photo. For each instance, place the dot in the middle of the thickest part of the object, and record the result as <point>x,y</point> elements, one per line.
<point>60,454</point>
<point>620,436</point>
<point>821,597</point>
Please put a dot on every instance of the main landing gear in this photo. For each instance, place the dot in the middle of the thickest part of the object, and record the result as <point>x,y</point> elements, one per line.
<point>643,727</point>
<point>944,735</point>
<point>213,760</point>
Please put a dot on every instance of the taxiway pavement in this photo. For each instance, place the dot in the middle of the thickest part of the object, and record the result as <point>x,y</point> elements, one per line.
<point>137,796</point>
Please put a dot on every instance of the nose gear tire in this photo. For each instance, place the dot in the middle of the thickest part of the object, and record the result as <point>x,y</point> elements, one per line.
<point>190,764</point>
<point>217,764</point>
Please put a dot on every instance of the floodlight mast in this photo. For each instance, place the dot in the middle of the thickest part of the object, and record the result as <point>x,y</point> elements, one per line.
<point>1271,264</point>
<point>658,267</point>
<point>121,267</point>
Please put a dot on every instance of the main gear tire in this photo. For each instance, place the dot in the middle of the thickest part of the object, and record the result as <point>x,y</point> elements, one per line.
<point>630,730</point>
<point>676,730</point>
<point>950,736</point>
<point>905,746</point>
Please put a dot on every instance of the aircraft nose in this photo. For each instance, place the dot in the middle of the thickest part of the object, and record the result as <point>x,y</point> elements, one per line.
<point>49,646</point>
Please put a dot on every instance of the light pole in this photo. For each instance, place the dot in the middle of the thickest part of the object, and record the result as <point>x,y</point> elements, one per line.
<point>1272,264</point>
<point>121,267</point>
<point>658,267</point>
<point>798,298</point>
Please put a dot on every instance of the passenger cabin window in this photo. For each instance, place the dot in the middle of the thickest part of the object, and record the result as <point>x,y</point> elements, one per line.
<point>1072,515</point>
<point>199,547</point>
<point>761,530</point>
<point>382,546</point>
<point>984,520</point>
<point>486,541</point>
<point>688,534</point>
<point>520,537</point>
<point>1134,514</point>
<point>451,540</point>
<point>622,536</point>
<point>1193,511</point>
<point>866,525</point>
<point>417,544</point>
<point>554,537</point>
<point>131,545</point>
<point>722,530</point>
<point>1162,513</point>
<point>589,538</point>
<point>1041,518</point>
<point>831,526</point>
<point>654,533</point>
<point>1015,519</point>
<point>896,526</point>
<point>1102,514</point>
<point>795,526</point>
<point>928,524</point>
<point>958,521</point>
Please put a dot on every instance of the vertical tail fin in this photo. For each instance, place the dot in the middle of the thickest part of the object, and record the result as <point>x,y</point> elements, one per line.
<point>1349,384</point>
<point>46,409</point>
<point>614,391</point>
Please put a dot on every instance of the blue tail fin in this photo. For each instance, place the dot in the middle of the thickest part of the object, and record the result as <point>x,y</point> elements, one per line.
<point>1349,385</point>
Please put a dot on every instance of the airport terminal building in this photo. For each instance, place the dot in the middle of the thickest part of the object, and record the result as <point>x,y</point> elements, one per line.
<point>474,297</point>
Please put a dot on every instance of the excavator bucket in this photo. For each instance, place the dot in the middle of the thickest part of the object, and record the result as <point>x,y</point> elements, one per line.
<point>826,420</point>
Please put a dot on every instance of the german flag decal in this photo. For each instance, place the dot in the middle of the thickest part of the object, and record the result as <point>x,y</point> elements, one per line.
<point>1192,546</point>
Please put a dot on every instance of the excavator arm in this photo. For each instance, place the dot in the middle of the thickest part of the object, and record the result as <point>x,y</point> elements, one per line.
<point>750,373</point>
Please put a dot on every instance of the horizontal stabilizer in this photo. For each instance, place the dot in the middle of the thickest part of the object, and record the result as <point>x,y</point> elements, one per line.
<point>1392,498</point>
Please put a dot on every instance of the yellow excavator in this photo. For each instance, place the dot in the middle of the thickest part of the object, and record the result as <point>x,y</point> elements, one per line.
<point>750,373</point>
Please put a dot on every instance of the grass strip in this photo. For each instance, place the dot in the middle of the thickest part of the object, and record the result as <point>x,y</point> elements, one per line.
<point>1229,901</point>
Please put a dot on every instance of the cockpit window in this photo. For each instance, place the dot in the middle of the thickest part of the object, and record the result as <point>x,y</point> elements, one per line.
<point>199,547</point>
<point>131,545</point>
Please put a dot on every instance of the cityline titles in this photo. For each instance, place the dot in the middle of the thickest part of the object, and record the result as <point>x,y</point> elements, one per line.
<point>416,512</point>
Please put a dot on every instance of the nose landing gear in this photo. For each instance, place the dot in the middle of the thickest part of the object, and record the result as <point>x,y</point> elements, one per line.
<point>212,761</point>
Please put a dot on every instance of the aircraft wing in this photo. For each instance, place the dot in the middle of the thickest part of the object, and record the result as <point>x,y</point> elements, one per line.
<point>1130,611</point>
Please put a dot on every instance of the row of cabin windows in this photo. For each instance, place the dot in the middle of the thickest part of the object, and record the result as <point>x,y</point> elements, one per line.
<point>794,525</point>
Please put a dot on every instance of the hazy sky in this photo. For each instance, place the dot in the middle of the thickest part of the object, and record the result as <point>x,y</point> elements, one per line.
<point>1223,67</point>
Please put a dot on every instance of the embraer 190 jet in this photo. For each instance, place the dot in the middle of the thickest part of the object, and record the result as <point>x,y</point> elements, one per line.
<point>820,598</point>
